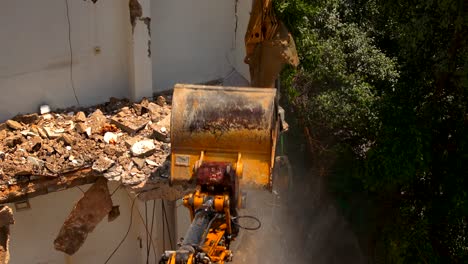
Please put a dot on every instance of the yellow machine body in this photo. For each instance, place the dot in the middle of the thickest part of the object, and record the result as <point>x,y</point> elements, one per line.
<point>238,125</point>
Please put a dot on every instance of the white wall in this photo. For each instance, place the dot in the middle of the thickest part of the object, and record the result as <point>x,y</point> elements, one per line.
<point>243,15</point>
<point>32,235</point>
<point>35,59</point>
<point>191,41</point>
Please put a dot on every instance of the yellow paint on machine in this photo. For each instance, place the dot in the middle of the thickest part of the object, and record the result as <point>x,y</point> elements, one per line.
<point>225,123</point>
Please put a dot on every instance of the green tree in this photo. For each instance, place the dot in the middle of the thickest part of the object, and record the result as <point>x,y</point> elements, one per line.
<point>382,86</point>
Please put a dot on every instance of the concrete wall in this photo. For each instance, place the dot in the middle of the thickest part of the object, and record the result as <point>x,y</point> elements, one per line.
<point>35,54</point>
<point>34,231</point>
<point>191,41</point>
<point>238,54</point>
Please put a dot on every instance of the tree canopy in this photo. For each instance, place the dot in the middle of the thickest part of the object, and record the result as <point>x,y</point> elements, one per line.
<point>383,88</point>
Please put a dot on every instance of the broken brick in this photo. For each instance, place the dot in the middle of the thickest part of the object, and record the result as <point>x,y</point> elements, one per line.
<point>68,139</point>
<point>143,148</point>
<point>80,117</point>
<point>131,126</point>
<point>51,133</point>
<point>161,101</point>
<point>13,124</point>
<point>12,141</point>
<point>139,162</point>
<point>81,128</point>
<point>161,133</point>
<point>102,164</point>
<point>27,119</point>
<point>34,144</point>
<point>96,121</point>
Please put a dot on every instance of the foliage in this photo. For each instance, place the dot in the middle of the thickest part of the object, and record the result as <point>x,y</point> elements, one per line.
<point>385,85</point>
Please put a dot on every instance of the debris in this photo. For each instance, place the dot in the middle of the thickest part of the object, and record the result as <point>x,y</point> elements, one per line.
<point>164,170</point>
<point>28,133</point>
<point>151,163</point>
<point>108,128</point>
<point>27,119</point>
<point>36,162</point>
<point>110,138</point>
<point>80,117</point>
<point>3,134</point>
<point>143,148</point>
<point>95,204</point>
<point>139,162</point>
<point>13,140</point>
<point>131,126</point>
<point>96,121</point>
<point>154,110</point>
<point>68,139</point>
<point>41,132</point>
<point>165,122</point>
<point>88,131</point>
<point>34,144</point>
<point>113,174</point>
<point>161,133</point>
<point>81,128</point>
<point>13,124</point>
<point>55,143</point>
<point>47,117</point>
<point>129,142</point>
<point>161,101</point>
<point>51,133</point>
<point>44,109</point>
<point>114,213</point>
<point>102,164</point>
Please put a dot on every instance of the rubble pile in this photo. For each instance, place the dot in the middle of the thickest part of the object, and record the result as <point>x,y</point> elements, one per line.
<point>122,141</point>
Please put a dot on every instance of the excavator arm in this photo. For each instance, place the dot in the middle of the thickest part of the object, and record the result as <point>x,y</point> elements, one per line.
<point>224,139</point>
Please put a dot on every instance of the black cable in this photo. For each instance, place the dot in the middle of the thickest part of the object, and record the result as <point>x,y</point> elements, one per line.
<point>152,224</point>
<point>163,225</point>
<point>168,227</point>
<point>147,235</point>
<point>146,230</point>
<point>78,187</point>
<point>234,221</point>
<point>118,187</point>
<point>205,233</point>
<point>128,230</point>
<point>71,53</point>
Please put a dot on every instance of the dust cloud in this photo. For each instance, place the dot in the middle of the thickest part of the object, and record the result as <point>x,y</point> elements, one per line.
<point>300,223</point>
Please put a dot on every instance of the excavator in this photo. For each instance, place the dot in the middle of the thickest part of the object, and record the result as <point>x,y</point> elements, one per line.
<point>223,139</point>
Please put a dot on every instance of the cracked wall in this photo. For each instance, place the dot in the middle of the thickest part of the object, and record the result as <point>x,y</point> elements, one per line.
<point>136,14</point>
<point>191,41</point>
<point>35,64</point>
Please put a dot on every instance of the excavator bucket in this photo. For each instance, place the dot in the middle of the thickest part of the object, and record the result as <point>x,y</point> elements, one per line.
<point>235,125</point>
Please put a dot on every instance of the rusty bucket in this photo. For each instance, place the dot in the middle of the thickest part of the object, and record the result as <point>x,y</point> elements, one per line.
<point>227,124</point>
